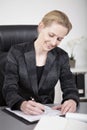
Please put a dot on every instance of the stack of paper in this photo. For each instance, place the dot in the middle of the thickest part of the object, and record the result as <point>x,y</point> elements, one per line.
<point>59,123</point>
<point>77,116</point>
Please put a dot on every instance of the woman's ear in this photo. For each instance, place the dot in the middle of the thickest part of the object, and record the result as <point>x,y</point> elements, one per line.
<point>40,26</point>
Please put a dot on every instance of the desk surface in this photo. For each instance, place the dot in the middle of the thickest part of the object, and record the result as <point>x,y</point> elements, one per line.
<point>7,122</point>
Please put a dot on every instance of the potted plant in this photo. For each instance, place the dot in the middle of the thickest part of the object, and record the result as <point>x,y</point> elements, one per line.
<point>72,61</point>
<point>71,45</point>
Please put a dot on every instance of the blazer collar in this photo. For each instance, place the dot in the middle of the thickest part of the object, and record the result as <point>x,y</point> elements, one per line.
<point>31,68</point>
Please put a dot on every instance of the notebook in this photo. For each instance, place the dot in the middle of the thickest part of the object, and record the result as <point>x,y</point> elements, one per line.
<point>32,118</point>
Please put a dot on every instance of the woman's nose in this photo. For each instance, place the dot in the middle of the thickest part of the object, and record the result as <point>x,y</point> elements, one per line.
<point>54,42</point>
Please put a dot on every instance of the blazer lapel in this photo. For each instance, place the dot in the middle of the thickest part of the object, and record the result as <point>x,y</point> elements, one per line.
<point>31,67</point>
<point>49,62</point>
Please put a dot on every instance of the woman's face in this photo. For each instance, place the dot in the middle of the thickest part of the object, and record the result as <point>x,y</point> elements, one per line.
<point>49,37</point>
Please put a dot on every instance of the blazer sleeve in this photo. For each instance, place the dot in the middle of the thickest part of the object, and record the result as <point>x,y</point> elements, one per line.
<point>10,87</point>
<point>67,81</point>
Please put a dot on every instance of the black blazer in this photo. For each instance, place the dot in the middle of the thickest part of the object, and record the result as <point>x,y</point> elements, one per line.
<point>21,78</point>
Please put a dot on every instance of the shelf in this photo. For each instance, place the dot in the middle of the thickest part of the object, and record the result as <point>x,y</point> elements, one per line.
<point>83,99</point>
<point>79,70</point>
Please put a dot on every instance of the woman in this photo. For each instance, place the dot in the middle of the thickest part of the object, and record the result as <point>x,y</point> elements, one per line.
<point>33,69</point>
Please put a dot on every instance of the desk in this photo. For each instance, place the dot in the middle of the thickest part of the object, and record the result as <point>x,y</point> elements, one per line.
<point>7,122</point>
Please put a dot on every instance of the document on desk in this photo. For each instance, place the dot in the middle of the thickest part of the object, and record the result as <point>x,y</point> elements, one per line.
<point>31,118</point>
<point>77,116</point>
<point>59,123</point>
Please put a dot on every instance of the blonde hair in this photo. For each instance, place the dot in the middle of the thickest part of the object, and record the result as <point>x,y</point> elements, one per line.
<point>58,17</point>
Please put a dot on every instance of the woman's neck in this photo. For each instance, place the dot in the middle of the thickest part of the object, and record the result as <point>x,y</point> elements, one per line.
<point>38,48</point>
<point>41,55</point>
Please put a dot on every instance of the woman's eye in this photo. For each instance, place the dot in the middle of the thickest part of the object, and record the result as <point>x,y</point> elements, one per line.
<point>51,35</point>
<point>59,39</point>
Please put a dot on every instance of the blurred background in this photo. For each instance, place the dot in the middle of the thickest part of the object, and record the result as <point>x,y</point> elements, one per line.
<point>25,12</point>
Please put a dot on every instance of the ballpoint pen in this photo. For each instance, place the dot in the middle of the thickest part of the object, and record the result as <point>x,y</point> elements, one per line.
<point>32,98</point>
<point>62,115</point>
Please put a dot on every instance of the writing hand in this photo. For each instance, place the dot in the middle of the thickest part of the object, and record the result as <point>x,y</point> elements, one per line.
<point>32,107</point>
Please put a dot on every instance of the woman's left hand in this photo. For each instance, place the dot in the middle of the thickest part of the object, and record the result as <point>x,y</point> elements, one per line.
<point>67,106</point>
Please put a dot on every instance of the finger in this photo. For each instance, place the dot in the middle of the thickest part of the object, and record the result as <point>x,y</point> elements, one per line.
<point>67,108</point>
<point>29,109</point>
<point>64,110</point>
<point>57,107</point>
<point>64,107</point>
<point>30,112</point>
<point>37,105</point>
<point>72,109</point>
<point>36,110</point>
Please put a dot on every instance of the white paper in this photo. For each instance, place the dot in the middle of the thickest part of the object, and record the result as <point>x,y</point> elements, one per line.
<point>77,116</point>
<point>59,123</point>
<point>48,111</point>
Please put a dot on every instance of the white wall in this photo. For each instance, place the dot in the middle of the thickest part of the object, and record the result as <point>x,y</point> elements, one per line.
<point>31,12</point>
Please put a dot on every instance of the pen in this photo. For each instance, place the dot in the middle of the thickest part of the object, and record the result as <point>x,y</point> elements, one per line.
<point>63,115</point>
<point>32,98</point>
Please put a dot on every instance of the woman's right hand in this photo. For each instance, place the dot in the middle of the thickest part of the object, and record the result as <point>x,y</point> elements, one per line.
<point>32,107</point>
